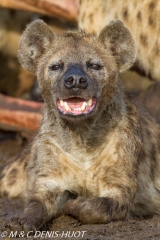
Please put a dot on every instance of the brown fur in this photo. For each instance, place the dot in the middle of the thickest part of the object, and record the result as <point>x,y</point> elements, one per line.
<point>141,17</point>
<point>105,162</point>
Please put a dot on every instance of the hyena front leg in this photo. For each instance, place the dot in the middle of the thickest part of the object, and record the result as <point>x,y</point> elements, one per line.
<point>42,205</point>
<point>100,209</point>
<point>33,217</point>
<point>96,210</point>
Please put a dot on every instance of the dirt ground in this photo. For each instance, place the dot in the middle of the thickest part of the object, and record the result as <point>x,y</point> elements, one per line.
<point>66,227</point>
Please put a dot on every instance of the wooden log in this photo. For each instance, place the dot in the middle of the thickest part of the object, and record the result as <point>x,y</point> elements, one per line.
<point>19,115</point>
<point>66,9</point>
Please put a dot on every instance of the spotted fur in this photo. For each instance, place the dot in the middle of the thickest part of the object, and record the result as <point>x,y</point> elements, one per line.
<point>141,17</point>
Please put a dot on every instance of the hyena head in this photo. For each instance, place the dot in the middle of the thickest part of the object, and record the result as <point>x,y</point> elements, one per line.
<point>77,73</point>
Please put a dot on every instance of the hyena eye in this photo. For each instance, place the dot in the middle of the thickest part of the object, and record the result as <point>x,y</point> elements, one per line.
<point>94,66</point>
<point>55,67</point>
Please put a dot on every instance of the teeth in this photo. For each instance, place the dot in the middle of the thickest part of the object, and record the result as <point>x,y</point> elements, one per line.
<point>67,107</point>
<point>81,109</point>
<point>89,102</point>
<point>83,106</point>
<point>61,103</point>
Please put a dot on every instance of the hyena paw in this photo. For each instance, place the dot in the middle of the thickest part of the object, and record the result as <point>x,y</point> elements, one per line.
<point>19,225</point>
<point>94,210</point>
<point>72,207</point>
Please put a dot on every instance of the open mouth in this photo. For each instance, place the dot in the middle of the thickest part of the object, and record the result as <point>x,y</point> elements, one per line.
<point>76,105</point>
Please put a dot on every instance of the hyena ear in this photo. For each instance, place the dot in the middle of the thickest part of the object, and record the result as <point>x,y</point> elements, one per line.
<point>119,40</point>
<point>34,41</point>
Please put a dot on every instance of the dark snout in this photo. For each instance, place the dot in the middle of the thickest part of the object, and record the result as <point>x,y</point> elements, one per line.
<point>75,78</point>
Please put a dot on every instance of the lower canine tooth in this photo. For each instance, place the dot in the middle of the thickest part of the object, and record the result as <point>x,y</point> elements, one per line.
<point>67,107</point>
<point>89,102</point>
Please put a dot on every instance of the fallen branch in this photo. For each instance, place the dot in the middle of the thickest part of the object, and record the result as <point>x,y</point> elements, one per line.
<point>66,9</point>
<point>19,115</point>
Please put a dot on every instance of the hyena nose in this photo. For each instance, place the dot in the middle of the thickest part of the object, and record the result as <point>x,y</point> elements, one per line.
<point>76,81</point>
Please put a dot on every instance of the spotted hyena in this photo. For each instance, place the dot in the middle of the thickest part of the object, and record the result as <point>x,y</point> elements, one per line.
<point>95,156</point>
<point>141,17</point>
